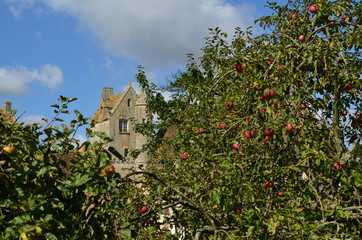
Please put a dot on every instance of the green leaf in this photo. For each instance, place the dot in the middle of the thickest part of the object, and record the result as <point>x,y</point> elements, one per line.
<point>50,236</point>
<point>126,233</point>
<point>27,228</point>
<point>251,230</point>
<point>46,169</point>
<point>81,180</point>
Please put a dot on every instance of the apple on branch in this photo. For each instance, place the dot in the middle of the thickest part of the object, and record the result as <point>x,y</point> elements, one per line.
<point>184,156</point>
<point>301,38</point>
<point>289,127</point>
<point>9,149</point>
<point>240,67</point>
<point>313,9</point>
<point>249,134</point>
<point>268,184</point>
<point>143,209</point>
<point>235,146</point>
<point>229,106</point>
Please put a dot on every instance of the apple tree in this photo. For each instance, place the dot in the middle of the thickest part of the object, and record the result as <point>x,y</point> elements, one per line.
<point>261,139</point>
<point>53,188</point>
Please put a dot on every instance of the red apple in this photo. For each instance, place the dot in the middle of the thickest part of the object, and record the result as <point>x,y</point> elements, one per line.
<point>344,18</point>
<point>256,192</point>
<point>268,132</point>
<point>266,139</point>
<point>235,146</point>
<point>143,209</point>
<point>229,105</point>
<point>301,38</point>
<point>268,184</point>
<point>249,134</point>
<point>289,127</point>
<point>112,169</point>
<point>184,156</point>
<point>263,110</point>
<point>281,67</point>
<point>239,67</point>
<point>345,112</point>
<point>354,137</point>
<point>222,126</point>
<point>348,87</point>
<point>280,194</point>
<point>248,120</point>
<point>337,166</point>
<point>354,124</point>
<point>252,134</point>
<point>313,9</point>
<point>269,63</point>
<point>271,93</point>
<point>303,106</point>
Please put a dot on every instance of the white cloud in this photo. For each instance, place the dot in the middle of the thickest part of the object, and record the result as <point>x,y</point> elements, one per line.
<point>33,119</point>
<point>15,80</point>
<point>152,33</point>
<point>82,138</point>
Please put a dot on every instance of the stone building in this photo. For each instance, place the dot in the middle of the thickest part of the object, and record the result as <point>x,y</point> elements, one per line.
<point>116,117</point>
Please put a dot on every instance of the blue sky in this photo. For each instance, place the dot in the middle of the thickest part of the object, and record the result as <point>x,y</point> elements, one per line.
<point>75,48</point>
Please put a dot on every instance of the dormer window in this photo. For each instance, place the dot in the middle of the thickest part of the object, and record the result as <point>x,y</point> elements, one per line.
<point>123,125</point>
<point>129,102</point>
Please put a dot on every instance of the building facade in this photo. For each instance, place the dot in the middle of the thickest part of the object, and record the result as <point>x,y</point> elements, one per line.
<point>116,116</point>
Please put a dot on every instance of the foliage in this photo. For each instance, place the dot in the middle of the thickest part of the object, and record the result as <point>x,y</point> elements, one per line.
<point>299,182</point>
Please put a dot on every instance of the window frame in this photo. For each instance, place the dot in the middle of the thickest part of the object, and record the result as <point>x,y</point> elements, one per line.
<point>123,125</point>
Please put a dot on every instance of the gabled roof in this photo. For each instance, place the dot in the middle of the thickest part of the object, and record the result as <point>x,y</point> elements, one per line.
<point>109,106</point>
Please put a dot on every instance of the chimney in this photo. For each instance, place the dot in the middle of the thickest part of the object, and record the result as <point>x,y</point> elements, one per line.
<point>7,108</point>
<point>107,93</point>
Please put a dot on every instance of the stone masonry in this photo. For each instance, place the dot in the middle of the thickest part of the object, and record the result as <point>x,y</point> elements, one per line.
<point>116,117</point>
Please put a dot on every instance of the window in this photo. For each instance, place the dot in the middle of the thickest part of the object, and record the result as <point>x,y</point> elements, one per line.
<point>125,152</point>
<point>129,102</point>
<point>123,125</point>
